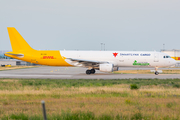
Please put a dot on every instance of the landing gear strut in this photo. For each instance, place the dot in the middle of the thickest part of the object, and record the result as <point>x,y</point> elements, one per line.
<point>156,72</point>
<point>92,71</point>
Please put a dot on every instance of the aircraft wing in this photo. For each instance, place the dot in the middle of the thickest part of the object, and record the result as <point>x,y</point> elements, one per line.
<point>84,62</point>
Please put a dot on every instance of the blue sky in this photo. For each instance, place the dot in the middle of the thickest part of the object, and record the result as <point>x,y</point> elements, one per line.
<point>85,24</point>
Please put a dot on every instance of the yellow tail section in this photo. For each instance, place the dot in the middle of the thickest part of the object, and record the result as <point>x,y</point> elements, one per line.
<point>17,41</point>
<point>22,51</point>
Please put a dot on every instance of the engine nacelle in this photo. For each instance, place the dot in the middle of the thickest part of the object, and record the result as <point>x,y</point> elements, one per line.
<point>106,67</point>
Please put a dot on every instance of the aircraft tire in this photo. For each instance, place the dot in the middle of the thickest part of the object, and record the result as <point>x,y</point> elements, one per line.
<point>88,72</point>
<point>93,71</point>
<point>156,73</point>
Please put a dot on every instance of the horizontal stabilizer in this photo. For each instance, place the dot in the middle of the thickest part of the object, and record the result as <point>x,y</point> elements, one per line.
<point>15,54</point>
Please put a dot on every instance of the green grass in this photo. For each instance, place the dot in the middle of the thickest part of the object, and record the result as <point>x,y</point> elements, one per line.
<point>134,87</point>
<point>90,99</point>
<point>80,115</point>
<point>50,83</point>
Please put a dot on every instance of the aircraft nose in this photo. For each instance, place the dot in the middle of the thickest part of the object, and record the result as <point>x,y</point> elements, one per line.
<point>173,62</point>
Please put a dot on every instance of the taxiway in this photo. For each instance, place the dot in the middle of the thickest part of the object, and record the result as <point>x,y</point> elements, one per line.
<point>77,73</point>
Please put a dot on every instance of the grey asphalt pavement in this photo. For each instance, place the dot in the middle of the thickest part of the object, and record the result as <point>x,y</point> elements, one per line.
<point>47,72</point>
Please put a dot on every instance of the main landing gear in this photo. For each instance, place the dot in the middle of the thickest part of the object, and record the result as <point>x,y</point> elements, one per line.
<point>92,71</point>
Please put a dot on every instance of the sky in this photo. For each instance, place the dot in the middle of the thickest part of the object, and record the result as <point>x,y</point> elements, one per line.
<point>124,25</point>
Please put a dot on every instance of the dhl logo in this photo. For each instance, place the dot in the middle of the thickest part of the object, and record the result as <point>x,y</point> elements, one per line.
<point>48,57</point>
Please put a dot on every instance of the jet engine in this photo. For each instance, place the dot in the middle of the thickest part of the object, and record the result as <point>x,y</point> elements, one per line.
<point>106,67</point>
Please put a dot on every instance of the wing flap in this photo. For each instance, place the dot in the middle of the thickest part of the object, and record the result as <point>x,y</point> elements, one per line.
<point>84,62</point>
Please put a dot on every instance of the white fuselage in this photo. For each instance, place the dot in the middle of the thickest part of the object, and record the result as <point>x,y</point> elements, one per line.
<point>123,58</point>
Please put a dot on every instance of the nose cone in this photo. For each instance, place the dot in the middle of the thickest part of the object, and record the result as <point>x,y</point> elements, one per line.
<point>173,62</point>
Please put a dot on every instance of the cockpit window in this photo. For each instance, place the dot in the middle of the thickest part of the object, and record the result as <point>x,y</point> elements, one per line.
<point>166,57</point>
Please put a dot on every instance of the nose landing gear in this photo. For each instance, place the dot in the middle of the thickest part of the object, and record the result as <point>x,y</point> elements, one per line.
<point>92,71</point>
<point>156,72</point>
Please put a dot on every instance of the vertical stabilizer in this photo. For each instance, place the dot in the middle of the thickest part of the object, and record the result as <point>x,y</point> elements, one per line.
<point>17,41</point>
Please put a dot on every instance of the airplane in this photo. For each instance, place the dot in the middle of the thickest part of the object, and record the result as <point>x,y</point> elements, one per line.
<point>105,61</point>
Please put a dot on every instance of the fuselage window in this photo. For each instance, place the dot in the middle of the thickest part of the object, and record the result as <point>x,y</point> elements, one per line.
<point>164,57</point>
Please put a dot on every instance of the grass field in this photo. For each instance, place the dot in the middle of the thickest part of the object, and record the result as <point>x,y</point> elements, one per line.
<point>90,99</point>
